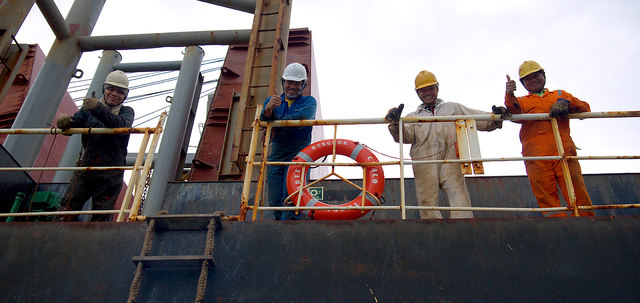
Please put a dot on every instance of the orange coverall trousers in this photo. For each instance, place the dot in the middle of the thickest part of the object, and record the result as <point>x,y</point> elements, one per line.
<point>546,176</point>
<point>538,140</point>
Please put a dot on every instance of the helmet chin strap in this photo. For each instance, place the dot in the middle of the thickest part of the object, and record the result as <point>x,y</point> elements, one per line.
<point>304,83</point>
<point>104,87</point>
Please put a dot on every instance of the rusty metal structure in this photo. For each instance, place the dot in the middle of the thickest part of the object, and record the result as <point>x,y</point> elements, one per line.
<point>193,241</point>
<point>215,161</point>
<point>24,76</point>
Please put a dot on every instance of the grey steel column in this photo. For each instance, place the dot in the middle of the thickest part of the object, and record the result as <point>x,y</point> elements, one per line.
<point>187,131</point>
<point>174,132</point>
<point>54,18</point>
<point>148,66</point>
<point>71,152</point>
<point>140,41</point>
<point>45,95</point>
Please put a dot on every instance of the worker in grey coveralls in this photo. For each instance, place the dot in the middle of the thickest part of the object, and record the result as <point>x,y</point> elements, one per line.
<point>103,186</point>
<point>436,141</point>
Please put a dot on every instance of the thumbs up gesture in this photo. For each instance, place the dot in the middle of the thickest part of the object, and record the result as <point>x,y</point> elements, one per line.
<point>511,85</point>
<point>394,114</point>
<point>90,103</point>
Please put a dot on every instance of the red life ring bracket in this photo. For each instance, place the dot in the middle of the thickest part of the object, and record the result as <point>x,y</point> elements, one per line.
<point>374,177</point>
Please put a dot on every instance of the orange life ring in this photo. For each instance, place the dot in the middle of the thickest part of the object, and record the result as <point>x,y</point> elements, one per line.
<point>359,153</point>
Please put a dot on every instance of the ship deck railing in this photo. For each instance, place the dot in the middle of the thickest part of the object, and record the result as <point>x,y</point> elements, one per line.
<point>469,159</point>
<point>136,185</point>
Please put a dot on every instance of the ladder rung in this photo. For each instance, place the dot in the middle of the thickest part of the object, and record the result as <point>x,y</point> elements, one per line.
<point>186,221</point>
<point>232,175</point>
<point>217,123</point>
<point>264,47</point>
<point>173,261</point>
<point>261,66</point>
<point>258,86</point>
<point>267,30</point>
<point>269,14</point>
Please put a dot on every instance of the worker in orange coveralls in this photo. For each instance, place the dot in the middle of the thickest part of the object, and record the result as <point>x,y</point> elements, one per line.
<point>538,140</point>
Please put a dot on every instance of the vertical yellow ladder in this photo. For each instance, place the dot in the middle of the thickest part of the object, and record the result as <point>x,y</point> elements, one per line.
<point>266,58</point>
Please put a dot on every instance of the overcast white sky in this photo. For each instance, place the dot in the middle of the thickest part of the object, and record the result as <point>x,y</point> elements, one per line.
<point>368,53</point>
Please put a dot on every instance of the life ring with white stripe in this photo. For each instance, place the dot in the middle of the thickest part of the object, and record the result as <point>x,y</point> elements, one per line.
<point>374,179</point>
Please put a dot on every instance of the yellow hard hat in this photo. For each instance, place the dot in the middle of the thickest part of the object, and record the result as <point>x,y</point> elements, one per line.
<point>528,67</point>
<point>117,78</point>
<point>424,79</point>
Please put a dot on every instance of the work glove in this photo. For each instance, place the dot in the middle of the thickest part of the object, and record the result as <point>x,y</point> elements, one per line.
<point>560,108</point>
<point>394,114</point>
<point>90,103</point>
<point>511,85</point>
<point>64,122</point>
<point>501,110</point>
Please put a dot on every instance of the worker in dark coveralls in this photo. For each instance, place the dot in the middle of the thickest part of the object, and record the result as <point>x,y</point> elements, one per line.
<point>103,186</point>
<point>287,141</point>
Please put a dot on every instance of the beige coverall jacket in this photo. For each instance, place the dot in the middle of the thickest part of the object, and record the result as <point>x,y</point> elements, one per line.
<point>437,141</point>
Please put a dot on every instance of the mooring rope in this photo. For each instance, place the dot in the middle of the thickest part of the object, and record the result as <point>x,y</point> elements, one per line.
<point>204,272</point>
<point>146,249</point>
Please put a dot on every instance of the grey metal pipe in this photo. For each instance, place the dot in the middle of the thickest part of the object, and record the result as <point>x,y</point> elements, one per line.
<point>71,168</point>
<point>148,66</point>
<point>247,6</point>
<point>187,131</point>
<point>174,132</point>
<point>43,99</point>
<point>70,131</point>
<point>74,145</point>
<point>61,213</point>
<point>52,14</point>
<point>131,159</point>
<point>140,41</point>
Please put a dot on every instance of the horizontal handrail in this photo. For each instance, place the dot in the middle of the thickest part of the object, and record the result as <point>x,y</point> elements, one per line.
<point>72,131</point>
<point>134,181</point>
<point>485,117</point>
<point>402,161</point>
<point>452,208</point>
<point>67,168</point>
<point>504,159</point>
<point>62,213</point>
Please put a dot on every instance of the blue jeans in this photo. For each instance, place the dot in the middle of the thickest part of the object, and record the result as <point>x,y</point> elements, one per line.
<point>277,179</point>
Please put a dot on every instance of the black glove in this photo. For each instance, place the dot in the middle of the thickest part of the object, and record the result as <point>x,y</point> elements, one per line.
<point>560,108</point>
<point>394,114</point>
<point>501,110</point>
<point>64,122</point>
<point>90,103</point>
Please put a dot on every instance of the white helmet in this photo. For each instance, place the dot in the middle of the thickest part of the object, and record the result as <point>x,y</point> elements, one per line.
<point>117,78</point>
<point>295,72</point>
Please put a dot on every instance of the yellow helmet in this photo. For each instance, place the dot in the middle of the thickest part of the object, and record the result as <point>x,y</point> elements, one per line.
<point>424,79</point>
<point>528,67</point>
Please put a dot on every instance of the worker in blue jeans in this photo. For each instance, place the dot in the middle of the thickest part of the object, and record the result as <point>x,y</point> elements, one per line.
<point>286,142</point>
